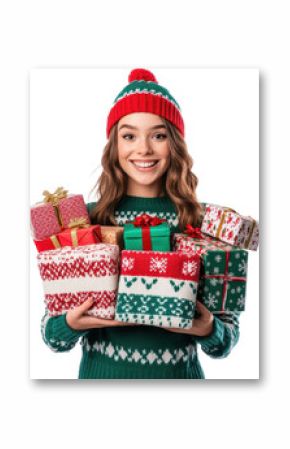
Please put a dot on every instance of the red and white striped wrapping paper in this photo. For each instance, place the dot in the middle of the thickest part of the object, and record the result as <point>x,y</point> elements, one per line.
<point>71,275</point>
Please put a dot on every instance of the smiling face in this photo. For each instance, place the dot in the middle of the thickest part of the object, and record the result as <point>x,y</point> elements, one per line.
<point>143,152</point>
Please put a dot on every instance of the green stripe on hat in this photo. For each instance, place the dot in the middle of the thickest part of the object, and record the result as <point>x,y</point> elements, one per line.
<point>143,87</point>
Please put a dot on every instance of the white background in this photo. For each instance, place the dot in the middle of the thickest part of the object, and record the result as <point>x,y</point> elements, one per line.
<point>125,414</point>
<point>68,111</point>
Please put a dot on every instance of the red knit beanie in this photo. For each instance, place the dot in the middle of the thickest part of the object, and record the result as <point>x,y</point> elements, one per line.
<point>144,94</point>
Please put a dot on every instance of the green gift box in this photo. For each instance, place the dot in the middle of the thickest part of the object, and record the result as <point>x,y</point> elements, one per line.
<point>223,273</point>
<point>147,233</point>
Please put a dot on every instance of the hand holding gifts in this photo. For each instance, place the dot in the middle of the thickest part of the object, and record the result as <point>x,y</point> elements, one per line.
<point>72,275</point>
<point>147,233</point>
<point>230,227</point>
<point>223,274</point>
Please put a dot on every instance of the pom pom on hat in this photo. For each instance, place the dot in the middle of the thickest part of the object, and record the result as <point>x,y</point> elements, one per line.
<point>141,74</point>
<point>144,94</point>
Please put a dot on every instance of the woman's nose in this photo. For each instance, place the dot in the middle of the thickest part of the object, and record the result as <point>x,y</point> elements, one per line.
<point>144,147</point>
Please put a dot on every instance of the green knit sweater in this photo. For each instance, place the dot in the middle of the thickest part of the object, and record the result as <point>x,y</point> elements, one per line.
<point>141,352</point>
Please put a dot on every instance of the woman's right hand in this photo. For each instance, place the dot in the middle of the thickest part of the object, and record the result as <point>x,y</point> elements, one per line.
<point>78,320</point>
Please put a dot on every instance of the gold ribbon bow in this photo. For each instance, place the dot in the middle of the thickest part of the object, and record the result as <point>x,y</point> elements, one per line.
<point>54,197</point>
<point>80,222</point>
<point>74,225</point>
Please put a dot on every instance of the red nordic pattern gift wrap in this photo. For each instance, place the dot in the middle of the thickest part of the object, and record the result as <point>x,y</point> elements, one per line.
<point>72,275</point>
<point>157,288</point>
<point>48,218</point>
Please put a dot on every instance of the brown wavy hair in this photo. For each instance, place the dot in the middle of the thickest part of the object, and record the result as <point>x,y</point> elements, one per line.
<point>179,182</point>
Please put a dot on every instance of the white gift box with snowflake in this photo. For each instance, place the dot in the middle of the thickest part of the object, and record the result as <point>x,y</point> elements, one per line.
<point>223,272</point>
<point>157,288</point>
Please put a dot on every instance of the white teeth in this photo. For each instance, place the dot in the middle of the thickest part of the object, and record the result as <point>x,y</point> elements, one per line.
<point>144,164</point>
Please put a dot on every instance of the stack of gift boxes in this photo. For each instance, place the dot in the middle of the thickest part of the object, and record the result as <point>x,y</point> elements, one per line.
<point>141,273</point>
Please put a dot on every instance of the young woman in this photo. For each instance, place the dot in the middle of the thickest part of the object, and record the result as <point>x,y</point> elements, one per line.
<point>146,169</point>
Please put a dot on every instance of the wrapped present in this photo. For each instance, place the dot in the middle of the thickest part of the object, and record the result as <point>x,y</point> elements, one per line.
<point>227,225</point>
<point>223,273</point>
<point>44,221</point>
<point>47,244</point>
<point>72,275</point>
<point>157,288</point>
<point>147,233</point>
<point>56,212</point>
<point>112,235</point>
<point>249,234</point>
<point>78,234</point>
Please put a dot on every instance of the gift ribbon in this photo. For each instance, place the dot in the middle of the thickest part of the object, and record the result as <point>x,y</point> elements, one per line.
<point>74,225</point>
<point>225,211</point>
<point>145,221</point>
<point>225,277</point>
<point>42,245</point>
<point>195,233</point>
<point>54,241</point>
<point>54,199</point>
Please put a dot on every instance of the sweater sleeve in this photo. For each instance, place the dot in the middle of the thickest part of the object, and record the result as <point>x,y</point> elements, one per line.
<point>224,337</point>
<point>57,334</point>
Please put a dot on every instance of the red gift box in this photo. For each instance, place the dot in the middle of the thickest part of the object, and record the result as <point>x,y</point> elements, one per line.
<point>47,244</point>
<point>80,236</point>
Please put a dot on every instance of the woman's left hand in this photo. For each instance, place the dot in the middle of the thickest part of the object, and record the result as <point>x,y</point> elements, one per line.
<point>201,326</point>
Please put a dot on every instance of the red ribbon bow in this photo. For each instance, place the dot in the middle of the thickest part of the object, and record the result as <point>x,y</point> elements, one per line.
<point>193,232</point>
<point>145,220</point>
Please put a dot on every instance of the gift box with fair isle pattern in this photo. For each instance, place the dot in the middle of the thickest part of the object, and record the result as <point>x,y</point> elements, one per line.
<point>72,275</point>
<point>157,288</point>
<point>230,227</point>
<point>223,272</point>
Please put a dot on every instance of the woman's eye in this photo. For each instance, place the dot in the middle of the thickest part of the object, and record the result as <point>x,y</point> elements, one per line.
<point>128,136</point>
<point>160,136</point>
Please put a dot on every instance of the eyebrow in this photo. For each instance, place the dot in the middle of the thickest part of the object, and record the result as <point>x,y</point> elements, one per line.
<point>134,127</point>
